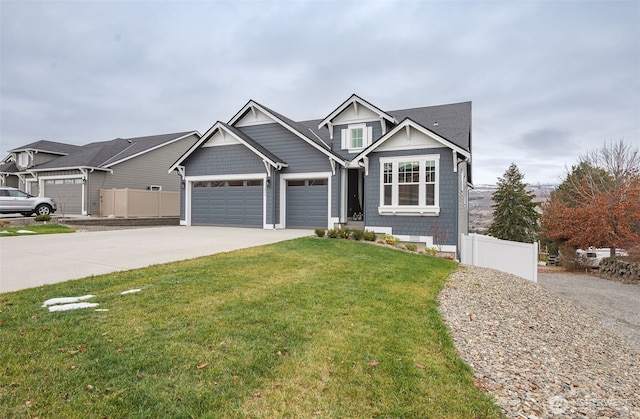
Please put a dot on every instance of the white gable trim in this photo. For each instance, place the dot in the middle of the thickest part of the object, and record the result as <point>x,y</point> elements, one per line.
<point>356,101</point>
<point>407,125</point>
<point>219,138</point>
<point>218,126</point>
<point>255,117</point>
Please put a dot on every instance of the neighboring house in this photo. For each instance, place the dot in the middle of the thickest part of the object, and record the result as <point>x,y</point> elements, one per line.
<point>73,175</point>
<point>403,172</point>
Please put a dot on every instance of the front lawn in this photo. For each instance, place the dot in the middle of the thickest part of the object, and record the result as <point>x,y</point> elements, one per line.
<point>32,230</point>
<point>305,328</point>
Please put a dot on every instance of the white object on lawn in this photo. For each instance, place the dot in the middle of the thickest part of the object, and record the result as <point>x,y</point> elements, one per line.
<point>66,300</point>
<point>72,306</point>
<point>130,291</point>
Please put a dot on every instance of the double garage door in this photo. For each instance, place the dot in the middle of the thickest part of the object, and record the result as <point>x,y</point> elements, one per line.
<point>240,203</point>
<point>227,202</point>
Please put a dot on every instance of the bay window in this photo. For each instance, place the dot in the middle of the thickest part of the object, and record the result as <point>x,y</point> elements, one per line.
<point>409,185</point>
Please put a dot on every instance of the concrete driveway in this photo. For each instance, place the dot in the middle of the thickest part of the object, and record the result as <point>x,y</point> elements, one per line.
<point>31,261</point>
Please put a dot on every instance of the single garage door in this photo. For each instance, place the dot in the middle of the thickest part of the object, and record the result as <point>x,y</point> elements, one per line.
<point>227,202</point>
<point>67,193</point>
<point>307,203</point>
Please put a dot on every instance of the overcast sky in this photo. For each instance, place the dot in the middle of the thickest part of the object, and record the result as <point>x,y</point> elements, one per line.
<point>549,80</point>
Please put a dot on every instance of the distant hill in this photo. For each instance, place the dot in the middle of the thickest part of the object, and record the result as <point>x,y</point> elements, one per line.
<point>480,202</point>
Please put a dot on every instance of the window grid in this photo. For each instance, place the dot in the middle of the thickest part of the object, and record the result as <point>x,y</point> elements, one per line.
<point>409,183</point>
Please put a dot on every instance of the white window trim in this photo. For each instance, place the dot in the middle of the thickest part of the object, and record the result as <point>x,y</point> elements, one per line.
<point>421,210</point>
<point>367,135</point>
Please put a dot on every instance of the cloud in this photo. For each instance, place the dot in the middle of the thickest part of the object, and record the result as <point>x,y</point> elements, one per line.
<point>553,75</point>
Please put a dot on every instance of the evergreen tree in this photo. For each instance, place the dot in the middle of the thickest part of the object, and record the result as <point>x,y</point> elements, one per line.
<point>514,212</point>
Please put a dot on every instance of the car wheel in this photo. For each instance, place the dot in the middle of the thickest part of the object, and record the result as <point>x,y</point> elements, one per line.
<point>43,209</point>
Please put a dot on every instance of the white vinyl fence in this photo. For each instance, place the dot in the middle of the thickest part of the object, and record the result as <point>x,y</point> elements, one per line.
<point>516,258</point>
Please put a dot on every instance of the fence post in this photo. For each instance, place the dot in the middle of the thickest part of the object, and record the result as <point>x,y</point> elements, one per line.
<point>535,261</point>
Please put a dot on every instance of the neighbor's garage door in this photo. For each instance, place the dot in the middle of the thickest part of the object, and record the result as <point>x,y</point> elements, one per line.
<point>307,203</point>
<point>67,193</point>
<point>231,203</point>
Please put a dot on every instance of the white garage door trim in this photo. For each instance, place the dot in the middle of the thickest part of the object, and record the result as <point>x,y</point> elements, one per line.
<point>301,176</point>
<point>247,176</point>
<point>42,191</point>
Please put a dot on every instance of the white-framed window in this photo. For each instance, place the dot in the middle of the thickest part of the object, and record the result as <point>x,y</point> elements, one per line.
<point>23,159</point>
<point>356,137</point>
<point>409,185</point>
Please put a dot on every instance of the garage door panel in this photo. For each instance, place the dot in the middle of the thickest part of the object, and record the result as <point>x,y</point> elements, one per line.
<point>307,203</point>
<point>232,203</point>
<point>67,193</point>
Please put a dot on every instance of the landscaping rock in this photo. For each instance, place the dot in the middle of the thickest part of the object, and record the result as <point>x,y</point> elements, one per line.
<point>538,354</point>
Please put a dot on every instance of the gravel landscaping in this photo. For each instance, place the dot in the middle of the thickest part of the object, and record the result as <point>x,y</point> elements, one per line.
<point>538,354</point>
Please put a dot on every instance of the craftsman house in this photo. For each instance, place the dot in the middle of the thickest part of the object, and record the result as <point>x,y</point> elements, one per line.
<point>73,175</point>
<point>403,172</point>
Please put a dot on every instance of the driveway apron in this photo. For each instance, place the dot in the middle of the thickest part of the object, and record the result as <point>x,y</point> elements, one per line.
<point>31,261</point>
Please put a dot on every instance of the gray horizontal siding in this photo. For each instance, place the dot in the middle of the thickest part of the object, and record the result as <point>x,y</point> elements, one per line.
<point>336,143</point>
<point>299,155</point>
<point>223,160</point>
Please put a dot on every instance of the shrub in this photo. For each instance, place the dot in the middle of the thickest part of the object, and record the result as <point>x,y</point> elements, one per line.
<point>357,235</point>
<point>332,234</point>
<point>369,236</point>
<point>319,232</point>
<point>569,260</point>
<point>43,217</point>
<point>344,233</point>
<point>389,239</point>
<point>411,247</point>
<point>431,251</point>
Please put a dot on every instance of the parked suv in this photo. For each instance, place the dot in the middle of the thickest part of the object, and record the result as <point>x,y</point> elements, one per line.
<point>14,200</point>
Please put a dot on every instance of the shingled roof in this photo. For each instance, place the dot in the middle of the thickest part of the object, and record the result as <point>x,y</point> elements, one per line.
<point>51,147</point>
<point>103,154</point>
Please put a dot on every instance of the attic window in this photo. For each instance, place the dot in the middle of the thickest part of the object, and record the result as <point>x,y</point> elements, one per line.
<point>23,159</point>
<point>356,137</point>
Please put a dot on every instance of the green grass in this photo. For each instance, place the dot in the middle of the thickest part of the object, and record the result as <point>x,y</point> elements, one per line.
<point>36,229</point>
<point>305,328</point>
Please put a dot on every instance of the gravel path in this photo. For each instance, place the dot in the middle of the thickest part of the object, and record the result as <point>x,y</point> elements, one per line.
<point>538,354</point>
<point>616,304</point>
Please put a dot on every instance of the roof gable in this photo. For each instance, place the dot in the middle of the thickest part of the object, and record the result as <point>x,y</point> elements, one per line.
<point>355,109</point>
<point>298,129</point>
<point>452,121</point>
<point>224,134</point>
<point>410,135</point>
